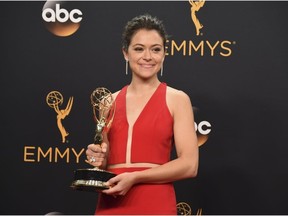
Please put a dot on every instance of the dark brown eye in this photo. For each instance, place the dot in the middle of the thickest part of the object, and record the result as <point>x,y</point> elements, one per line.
<point>138,49</point>
<point>157,49</point>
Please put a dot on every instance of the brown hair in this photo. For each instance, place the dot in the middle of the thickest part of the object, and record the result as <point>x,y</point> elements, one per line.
<point>145,21</point>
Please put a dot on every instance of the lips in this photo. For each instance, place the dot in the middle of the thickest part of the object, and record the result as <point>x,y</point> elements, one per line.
<point>147,65</point>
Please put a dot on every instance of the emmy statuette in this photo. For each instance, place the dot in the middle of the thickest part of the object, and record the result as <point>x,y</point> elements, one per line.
<point>93,179</point>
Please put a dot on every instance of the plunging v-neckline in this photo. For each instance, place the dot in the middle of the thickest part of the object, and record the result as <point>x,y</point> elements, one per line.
<point>143,109</point>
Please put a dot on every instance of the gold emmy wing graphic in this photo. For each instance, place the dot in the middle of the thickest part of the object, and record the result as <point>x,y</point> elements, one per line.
<point>195,7</point>
<point>55,99</point>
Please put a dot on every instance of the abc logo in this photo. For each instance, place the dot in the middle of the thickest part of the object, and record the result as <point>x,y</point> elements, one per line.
<point>202,127</point>
<point>59,19</point>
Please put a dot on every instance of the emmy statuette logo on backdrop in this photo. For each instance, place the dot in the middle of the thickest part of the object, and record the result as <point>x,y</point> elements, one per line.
<point>103,105</point>
<point>185,209</point>
<point>55,99</point>
<point>195,7</point>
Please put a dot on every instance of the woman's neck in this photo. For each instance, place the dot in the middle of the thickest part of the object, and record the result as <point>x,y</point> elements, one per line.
<point>141,87</point>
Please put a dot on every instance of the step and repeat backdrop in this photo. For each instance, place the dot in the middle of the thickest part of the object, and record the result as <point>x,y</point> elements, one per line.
<point>229,57</point>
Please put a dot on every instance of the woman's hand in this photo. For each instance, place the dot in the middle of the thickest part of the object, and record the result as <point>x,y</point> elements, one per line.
<point>96,154</point>
<point>121,184</point>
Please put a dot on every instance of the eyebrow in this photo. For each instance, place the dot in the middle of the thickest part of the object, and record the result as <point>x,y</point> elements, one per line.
<point>144,45</point>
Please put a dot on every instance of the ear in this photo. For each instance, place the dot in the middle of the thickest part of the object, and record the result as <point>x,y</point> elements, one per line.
<point>125,54</point>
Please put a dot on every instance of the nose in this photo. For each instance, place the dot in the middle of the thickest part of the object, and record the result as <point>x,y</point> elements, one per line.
<point>147,55</point>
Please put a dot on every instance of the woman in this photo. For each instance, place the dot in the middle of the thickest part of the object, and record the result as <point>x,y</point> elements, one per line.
<point>150,117</point>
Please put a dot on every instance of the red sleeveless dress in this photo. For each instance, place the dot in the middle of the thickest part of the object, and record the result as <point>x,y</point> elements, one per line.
<point>151,143</point>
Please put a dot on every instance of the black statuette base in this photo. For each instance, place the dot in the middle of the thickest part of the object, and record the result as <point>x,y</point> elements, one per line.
<point>91,179</point>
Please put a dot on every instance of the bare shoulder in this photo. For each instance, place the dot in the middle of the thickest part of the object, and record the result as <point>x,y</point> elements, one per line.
<point>177,95</point>
<point>177,100</point>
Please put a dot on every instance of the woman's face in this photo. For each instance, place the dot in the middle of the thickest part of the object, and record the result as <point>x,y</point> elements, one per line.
<point>145,53</point>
